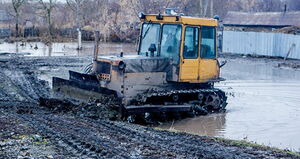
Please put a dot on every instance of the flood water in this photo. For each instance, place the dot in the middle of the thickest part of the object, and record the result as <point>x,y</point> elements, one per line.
<point>62,49</point>
<point>263,106</point>
<point>263,100</point>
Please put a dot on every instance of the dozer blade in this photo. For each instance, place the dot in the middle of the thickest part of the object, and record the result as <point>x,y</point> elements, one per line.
<point>80,85</point>
<point>83,78</point>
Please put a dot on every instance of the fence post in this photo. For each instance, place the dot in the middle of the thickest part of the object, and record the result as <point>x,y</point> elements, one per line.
<point>290,50</point>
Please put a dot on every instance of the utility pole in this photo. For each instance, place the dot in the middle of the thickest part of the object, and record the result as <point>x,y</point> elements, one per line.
<point>78,12</point>
<point>75,5</point>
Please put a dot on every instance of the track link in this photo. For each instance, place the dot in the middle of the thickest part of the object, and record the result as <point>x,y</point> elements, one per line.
<point>210,100</point>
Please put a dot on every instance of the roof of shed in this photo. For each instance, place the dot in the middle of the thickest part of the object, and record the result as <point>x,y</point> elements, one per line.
<point>262,19</point>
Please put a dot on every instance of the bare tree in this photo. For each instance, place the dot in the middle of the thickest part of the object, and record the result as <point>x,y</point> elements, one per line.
<point>48,6</point>
<point>17,6</point>
<point>204,7</point>
<point>149,6</point>
<point>75,5</point>
<point>292,5</point>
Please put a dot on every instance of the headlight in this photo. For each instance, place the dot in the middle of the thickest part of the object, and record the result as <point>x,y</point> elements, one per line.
<point>217,17</point>
<point>142,15</point>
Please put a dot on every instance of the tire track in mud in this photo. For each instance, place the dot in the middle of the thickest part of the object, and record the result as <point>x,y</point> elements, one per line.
<point>99,139</point>
<point>179,145</point>
<point>128,138</point>
<point>83,138</point>
<point>80,140</point>
<point>83,131</point>
<point>23,86</point>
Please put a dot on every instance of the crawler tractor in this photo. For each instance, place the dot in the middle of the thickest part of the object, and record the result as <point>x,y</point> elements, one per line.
<point>174,70</point>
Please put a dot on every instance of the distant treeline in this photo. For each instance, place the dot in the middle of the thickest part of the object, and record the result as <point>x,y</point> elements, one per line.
<point>116,19</point>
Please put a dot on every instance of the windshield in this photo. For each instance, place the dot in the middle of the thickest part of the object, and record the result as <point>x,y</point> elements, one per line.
<point>150,35</point>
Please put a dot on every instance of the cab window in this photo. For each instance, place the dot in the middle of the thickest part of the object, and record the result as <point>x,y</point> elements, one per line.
<point>149,38</point>
<point>170,41</point>
<point>191,43</point>
<point>208,50</point>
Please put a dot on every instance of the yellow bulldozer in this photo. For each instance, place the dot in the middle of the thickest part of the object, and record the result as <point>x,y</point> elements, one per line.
<point>174,69</point>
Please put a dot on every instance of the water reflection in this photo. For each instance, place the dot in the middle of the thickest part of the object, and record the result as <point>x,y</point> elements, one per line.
<point>62,49</point>
<point>17,47</point>
<point>212,125</point>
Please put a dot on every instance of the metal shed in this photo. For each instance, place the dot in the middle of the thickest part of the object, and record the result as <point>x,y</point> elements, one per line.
<point>262,19</point>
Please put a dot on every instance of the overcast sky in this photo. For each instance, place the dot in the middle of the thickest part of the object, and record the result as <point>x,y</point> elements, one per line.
<point>45,0</point>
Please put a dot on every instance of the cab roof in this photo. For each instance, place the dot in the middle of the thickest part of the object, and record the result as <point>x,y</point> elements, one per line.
<point>179,20</point>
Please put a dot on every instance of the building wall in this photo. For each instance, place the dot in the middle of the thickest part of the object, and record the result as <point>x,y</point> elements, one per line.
<point>259,43</point>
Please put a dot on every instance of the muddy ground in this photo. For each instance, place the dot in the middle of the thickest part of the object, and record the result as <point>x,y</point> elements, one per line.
<point>278,62</point>
<point>60,129</point>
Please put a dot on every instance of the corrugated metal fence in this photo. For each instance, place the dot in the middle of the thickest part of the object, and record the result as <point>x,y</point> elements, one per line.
<point>257,43</point>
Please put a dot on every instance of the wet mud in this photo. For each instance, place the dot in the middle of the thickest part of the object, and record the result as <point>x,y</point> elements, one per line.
<point>37,123</point>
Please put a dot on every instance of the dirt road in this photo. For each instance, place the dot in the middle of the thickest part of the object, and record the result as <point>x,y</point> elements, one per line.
<point>28,130</point>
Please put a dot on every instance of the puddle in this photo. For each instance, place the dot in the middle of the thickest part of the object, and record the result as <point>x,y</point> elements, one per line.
<point>263,106</point>
<point>61,49</point>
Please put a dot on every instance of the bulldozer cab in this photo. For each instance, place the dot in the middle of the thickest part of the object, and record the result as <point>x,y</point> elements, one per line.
<point>189,42</point>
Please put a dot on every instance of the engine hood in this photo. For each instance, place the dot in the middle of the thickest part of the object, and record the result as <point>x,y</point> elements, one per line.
<point>139,63</point>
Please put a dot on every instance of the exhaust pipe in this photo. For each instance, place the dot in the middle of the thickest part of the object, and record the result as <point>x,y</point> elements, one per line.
<point>96,47</point>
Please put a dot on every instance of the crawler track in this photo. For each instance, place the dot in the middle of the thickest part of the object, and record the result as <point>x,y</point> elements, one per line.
<point>201,97</point>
